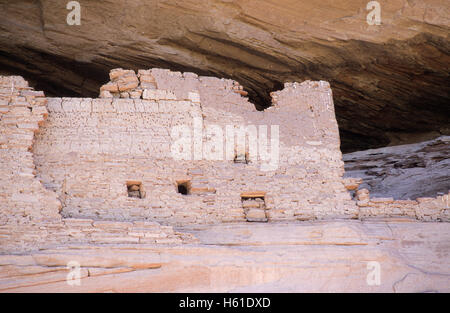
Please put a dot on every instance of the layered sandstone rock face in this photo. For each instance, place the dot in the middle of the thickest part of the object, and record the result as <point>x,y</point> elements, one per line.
<point>405,171</point>
<point>294,257</point>
<point>390,81</point>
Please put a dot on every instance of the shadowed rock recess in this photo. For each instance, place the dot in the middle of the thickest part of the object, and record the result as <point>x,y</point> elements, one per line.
<point>390,82</point>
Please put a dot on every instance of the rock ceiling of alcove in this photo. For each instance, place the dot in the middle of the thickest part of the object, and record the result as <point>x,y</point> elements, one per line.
<point>390,82</point>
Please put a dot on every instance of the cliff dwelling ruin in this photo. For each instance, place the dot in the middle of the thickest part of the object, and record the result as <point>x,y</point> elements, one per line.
<point>224,146</point>
<point>105,170</point>
<point>113,158</point>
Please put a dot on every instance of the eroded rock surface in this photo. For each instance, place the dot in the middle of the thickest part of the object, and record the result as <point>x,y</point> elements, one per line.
<point>403,172</point>
<point>390,82</point>
<point>293,257</point>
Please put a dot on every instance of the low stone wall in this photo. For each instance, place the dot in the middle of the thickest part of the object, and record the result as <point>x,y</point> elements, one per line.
<point>424,209</point>
<point>29,237</point>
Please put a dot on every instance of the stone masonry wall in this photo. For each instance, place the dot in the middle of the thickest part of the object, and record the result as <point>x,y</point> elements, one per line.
<point>23,199</point>
<point>90,149</point>
<point>29,213</point>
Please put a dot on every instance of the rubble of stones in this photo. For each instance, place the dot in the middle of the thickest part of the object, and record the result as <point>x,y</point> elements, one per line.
<point>126,84</point>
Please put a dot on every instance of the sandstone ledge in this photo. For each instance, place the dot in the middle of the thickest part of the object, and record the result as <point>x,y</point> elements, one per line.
<point>285,257</point>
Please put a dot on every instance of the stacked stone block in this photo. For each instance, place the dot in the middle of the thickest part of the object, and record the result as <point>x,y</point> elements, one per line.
<point>254,209</point>
<point>30,237</point>
<point>424,209</point>
<point>23,199</point>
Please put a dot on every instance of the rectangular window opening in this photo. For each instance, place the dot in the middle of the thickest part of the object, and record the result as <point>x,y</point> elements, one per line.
<point>135,190</point>
<point>184,187</point>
